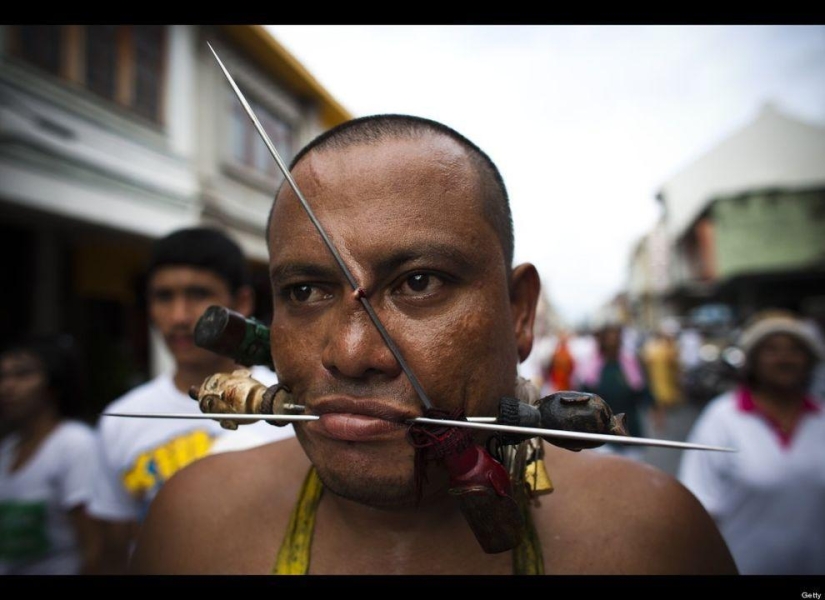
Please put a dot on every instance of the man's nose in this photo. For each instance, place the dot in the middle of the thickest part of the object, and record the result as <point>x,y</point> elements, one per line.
<point>354,347</point>
<point>182,311</point>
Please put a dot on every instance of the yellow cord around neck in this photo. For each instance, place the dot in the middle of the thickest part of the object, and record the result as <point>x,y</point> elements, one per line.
<point>293,557</point>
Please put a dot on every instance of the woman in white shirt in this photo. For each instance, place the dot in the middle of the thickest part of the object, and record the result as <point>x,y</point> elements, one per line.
<point>768,499</point>
<point>47,462</point>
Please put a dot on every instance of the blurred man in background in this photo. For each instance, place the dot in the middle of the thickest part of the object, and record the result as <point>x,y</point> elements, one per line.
<point>189,271</point>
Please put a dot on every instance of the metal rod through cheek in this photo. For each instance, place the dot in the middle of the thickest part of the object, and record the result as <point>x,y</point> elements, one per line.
<point>327,241</point>
<point>475,423</point>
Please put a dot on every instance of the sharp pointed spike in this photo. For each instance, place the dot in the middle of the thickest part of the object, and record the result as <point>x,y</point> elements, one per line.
<point>527,431</point>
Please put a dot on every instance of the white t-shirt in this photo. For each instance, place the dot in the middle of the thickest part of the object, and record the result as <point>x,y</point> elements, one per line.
<point>768,499</point>
<point>139,455</point>
<point>36,534</point>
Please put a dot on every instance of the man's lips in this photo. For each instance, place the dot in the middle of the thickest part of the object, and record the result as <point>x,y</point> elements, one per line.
<point>359,420</point>
<point>356,428</point>
<point>180,341</point>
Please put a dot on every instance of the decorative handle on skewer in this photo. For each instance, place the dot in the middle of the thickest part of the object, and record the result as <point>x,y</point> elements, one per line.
<point>566,410</point>
<point>239,393</point>
<point>228,333</point>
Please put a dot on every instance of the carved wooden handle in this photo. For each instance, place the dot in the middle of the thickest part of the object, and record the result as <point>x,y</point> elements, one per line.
<point>239,393</point>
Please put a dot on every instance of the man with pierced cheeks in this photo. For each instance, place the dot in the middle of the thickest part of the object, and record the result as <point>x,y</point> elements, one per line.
<point>421,217</point>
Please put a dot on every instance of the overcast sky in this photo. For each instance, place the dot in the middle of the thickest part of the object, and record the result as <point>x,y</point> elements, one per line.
<point>585,123</point>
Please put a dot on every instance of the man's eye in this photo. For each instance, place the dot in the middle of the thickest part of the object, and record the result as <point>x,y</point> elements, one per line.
<point>419,284</point>
<point>161,295</point>
<point>304,294</point>
<point>197,294</point>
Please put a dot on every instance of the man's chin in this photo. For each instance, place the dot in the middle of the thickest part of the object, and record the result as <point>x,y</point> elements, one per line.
<point>379,475</point>
<point>375,490</point>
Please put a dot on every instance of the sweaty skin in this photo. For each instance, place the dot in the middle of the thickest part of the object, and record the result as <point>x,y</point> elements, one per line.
<point>406,216</point>
<point>607,515</point>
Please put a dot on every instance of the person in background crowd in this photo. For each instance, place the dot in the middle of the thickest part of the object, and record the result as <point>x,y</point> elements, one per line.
<point>561,367</point>
<point>616,375</point>
<point>769,497</point>
<point>189,271</point>
<point>47,462</point>
<point>661,358</point>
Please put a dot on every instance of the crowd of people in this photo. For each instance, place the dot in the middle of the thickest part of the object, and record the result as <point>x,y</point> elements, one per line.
<point>349,493</point>
<point>72,498</point>
<point>768,497</point>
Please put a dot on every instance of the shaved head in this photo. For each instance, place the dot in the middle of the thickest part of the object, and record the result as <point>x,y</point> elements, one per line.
<point>375,129</point>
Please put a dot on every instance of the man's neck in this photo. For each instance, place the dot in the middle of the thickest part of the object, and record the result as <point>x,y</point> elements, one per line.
<point>400,540</point>
<point>431,514</point>
<point>187,376</point>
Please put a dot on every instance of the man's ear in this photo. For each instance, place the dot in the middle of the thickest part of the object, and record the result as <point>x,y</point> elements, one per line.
<point>244,300</point>
<point>524,296</point>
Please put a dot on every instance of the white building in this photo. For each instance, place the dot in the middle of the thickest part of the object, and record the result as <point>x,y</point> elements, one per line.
<point>111,136</point>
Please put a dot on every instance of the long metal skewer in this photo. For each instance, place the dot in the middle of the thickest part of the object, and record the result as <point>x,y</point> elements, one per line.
<point>360,293</point>
<point>531,431</point>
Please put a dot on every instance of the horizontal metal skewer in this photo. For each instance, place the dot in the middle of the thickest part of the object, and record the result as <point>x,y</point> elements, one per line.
<point>575,435</point>
<point>488,426</point>
<point>213,416</point>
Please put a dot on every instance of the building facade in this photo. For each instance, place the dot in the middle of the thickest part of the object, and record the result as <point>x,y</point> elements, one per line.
<point>745,224</point>
<point>113,136</point>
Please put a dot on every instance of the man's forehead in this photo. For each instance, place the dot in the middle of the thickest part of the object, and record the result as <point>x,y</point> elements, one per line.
<point>183,274</point>
<point>377,157</point>
<point>375,171</point>
<point>418,191</point>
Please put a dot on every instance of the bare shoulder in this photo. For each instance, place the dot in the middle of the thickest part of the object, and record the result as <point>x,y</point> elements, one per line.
<point>223,514</point>
<point>613,515</point>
